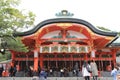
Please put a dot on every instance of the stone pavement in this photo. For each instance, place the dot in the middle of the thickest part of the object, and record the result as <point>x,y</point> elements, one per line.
<point>51,78</point>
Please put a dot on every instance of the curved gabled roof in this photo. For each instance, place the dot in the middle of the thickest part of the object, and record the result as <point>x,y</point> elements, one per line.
<point>66,20</point>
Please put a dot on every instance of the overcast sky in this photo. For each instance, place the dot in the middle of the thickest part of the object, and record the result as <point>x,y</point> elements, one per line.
<point>105,13</point>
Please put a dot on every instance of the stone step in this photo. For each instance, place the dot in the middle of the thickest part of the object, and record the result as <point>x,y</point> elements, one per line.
<point>51,78</point>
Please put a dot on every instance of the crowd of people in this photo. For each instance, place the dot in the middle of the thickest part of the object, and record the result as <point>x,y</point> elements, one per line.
<point>88,70</point>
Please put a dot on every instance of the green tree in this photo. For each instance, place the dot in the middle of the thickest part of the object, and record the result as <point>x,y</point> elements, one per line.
<point>119,33</point>
<point>103,28</point>
<point>11,19</point>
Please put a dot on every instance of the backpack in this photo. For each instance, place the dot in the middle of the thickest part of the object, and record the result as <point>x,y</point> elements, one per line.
<point>88,69</point>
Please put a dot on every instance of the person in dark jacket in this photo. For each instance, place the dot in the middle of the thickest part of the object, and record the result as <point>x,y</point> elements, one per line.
<point>11,71</point>
<point>43,75</point>
<point>1,71</point>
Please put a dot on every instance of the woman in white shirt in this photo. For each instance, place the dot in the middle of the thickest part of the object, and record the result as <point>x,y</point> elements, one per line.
<point>85,72</point>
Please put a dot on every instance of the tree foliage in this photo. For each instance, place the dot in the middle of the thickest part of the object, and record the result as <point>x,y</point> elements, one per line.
<point>119,33</point>
<point>103,28</point>
<point>11,19</point>
<point>11,43</point>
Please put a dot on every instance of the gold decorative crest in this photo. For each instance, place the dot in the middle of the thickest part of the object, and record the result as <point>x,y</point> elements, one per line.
<point>64,25</point>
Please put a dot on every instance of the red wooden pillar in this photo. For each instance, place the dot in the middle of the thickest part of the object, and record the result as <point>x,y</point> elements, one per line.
<point>18,67</point>
<point>86,58</point>
<point>13,58</point>
<point>35,60</point>
<point>114,57</point>
<point>41,61</point>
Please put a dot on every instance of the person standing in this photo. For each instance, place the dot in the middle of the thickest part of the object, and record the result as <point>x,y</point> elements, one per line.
<point>1,70</point>
<point>85,72</point>
<point>11,71</point>
<point>94,70</point>
<point>118,71</point>
<point>43,74</point>
<point>114,72</point>
<point>14,70</point>
<point>76,68</point>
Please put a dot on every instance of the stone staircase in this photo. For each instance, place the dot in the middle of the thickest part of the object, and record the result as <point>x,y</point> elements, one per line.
<point>52,78</point>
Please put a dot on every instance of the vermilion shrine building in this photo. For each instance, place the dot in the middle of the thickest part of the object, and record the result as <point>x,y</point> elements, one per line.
<point>61,42</point>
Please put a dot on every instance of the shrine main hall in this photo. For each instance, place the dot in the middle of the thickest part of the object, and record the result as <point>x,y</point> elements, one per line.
<point>63,42</point>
